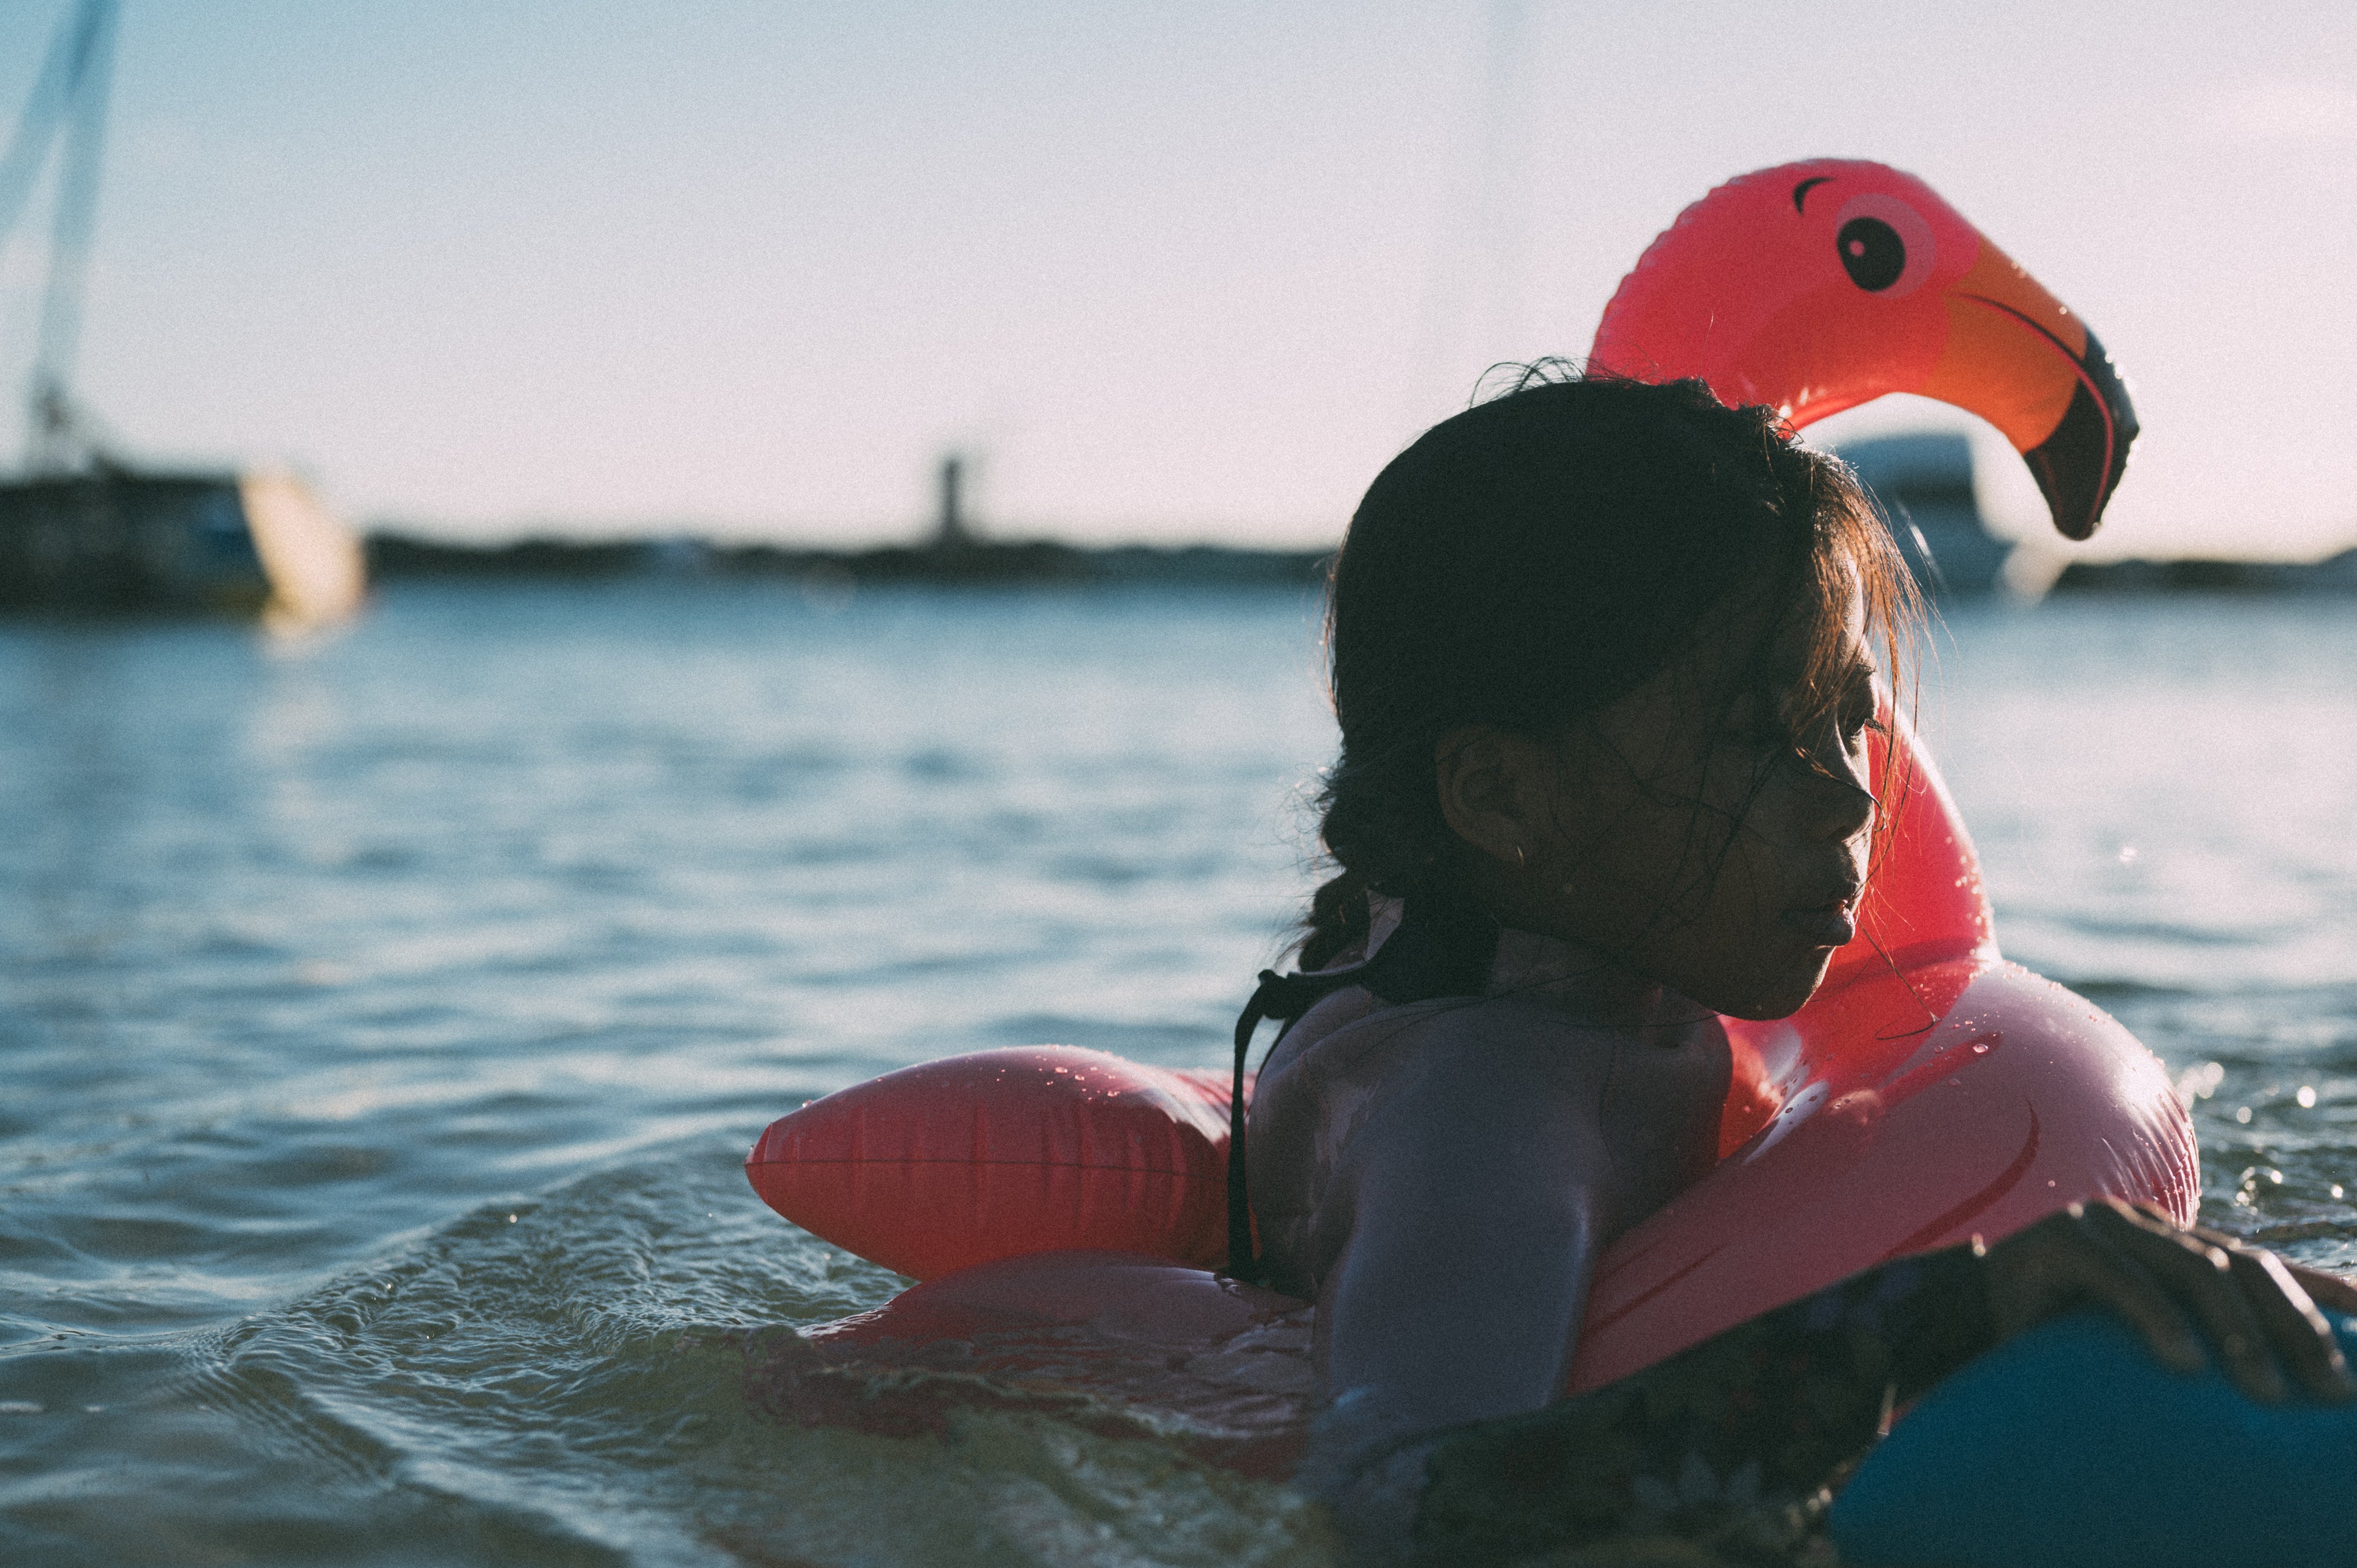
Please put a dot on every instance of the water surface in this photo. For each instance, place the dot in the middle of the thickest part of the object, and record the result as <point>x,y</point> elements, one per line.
<point>383,1022</point>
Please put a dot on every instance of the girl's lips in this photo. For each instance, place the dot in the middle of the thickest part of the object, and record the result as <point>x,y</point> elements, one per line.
<point>1824,926</point>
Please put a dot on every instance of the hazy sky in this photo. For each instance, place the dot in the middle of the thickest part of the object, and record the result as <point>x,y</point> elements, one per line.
<point>1174,270</point>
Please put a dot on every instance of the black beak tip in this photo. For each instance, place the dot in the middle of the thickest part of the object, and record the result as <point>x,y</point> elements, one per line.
<point>2079,465</point>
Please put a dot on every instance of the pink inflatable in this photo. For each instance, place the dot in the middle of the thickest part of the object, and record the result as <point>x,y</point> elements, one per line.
<point>1817,287</point>
<point>1064,1208</point>
<point>1037,1149</point>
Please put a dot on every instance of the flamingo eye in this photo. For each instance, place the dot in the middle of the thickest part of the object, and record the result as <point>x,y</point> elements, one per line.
<point>1884,244</point>
<point>1872,253</point>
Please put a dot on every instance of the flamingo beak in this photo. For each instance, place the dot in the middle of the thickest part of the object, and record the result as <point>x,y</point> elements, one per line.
<point>2016,357</point>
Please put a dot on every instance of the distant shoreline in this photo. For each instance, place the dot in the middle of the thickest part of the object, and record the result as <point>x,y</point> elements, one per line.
<point>399,555</point>
<point>2334,574</point>
<point>395,555</point>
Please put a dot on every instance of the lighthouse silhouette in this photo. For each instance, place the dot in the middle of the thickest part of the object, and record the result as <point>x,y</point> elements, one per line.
<point>950,532</point>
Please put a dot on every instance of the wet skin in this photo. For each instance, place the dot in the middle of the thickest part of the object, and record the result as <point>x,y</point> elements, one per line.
<point>1701,844</point>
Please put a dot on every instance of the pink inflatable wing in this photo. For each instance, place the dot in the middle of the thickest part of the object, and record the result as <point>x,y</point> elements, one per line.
<point>1817,287</point>
<point>995,1153</point>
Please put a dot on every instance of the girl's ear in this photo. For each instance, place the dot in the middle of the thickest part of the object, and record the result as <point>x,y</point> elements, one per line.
<point>1493,787</point>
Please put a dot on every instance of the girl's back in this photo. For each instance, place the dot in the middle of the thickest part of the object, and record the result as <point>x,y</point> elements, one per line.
<point>1336,1094</point>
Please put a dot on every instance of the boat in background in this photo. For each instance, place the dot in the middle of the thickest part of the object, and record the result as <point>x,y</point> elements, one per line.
<point>85,531</point>
<point>112,541</point>
<point>1923,483</point>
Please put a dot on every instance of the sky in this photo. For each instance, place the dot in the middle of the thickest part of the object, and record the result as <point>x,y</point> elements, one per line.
<point>1169,272</point>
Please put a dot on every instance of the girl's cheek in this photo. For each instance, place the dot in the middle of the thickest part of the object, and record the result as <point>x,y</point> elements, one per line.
<point>1737,791</point>
<point>1775,809</point>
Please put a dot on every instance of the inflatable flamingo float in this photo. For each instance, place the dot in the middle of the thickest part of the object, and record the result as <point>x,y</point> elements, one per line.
<point>1065,1210</point>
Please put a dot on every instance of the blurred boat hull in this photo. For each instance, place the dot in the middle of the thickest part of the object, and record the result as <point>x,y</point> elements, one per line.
<point>117,542</point>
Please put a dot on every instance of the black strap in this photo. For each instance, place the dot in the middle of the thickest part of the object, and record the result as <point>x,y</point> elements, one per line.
<point>1443,948</point>
<point>1286,997</point>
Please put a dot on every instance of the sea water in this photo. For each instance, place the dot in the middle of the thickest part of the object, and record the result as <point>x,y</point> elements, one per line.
<point>383,1019</point>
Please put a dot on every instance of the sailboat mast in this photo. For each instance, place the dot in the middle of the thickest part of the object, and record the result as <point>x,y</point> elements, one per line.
<point>54,433</point>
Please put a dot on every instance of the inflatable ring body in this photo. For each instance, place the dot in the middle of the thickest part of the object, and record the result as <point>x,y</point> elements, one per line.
<point>1930,1092</point>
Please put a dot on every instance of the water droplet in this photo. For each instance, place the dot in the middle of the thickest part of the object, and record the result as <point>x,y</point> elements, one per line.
<point>2336,1190</point>
<point>2242,1114</point>
<point>512,1219</point>
<point>2307,1097</point>
<point>1980,1048</point>
<point>2128,855</point>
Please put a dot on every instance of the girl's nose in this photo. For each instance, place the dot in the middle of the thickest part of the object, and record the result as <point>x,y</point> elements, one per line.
<point>1841,801</point>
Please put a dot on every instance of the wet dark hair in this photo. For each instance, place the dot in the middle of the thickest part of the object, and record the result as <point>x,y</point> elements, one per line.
<point>1531,560</point>
<point>1522,566</point>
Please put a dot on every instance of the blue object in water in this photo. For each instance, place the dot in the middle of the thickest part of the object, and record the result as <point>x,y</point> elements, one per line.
<point>2069,1447</point>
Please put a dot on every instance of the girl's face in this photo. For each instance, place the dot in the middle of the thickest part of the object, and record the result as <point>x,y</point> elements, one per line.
<point>1705,839</point>
<point>1693,831</point>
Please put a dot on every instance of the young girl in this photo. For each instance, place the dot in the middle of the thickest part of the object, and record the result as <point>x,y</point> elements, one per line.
<point>1605,658</point>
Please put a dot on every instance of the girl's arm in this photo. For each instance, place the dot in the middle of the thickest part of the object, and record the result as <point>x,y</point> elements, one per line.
<point>1733,1440</point>
<point>1474,1199</point>
<point>1739,1437</point>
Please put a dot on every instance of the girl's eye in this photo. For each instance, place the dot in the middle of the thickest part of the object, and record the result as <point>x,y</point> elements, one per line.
<point>1859,722</point>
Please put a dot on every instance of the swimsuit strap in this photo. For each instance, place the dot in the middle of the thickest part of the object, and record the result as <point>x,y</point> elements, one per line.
<point>1444,946</point>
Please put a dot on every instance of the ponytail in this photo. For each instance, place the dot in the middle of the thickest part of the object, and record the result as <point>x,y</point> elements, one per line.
<point>1339,919</point>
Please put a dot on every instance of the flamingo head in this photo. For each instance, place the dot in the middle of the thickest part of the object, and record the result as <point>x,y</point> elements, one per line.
<point>1815,287</point>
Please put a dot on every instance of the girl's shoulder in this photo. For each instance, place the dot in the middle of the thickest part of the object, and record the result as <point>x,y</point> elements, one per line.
<point>1356,1038</point>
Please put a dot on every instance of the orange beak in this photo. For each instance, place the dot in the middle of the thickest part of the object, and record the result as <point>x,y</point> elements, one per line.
<point>2016,356</point>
